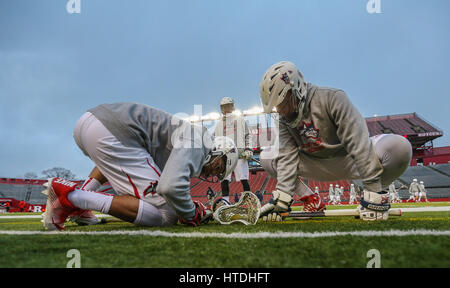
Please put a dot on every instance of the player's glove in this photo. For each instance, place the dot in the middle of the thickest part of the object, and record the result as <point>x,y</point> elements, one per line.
<point>374,206</point>
<point>202,216</point>
<point>280,202</point>
<point>272,217</point>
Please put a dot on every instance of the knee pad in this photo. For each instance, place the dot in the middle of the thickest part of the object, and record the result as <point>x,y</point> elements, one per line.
<point>395,153</point>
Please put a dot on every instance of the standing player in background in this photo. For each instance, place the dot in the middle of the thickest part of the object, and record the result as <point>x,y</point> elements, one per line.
<point>316,190</point>
<point>352,194</point>
<point>337,195</point>
<point>148,156</point>
<point>323,137</point>
<point>393,194</point>
<point>422,192</point>
<point>397,196</point>
<point>233,125</point>
<point>331,195</point>
<point>413,190</point>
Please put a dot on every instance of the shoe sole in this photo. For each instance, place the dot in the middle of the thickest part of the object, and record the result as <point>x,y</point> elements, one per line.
<point>47,219</point>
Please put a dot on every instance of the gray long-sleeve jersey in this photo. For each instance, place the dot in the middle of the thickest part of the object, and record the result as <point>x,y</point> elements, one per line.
<point>331,127</point>
<point>177,147</point>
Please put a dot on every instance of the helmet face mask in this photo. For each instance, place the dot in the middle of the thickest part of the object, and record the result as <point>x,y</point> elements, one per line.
<point>227,108</point>
<point>225,150</point>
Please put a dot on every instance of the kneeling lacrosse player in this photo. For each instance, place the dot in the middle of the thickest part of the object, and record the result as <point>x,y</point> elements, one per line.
<point>148,156</point>
<point>323,137</point>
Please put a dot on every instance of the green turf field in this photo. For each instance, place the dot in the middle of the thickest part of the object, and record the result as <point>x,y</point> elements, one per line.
<point>231,245</point>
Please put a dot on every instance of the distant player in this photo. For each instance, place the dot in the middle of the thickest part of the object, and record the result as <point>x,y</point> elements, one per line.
<point>234,126</point>
<point>323,137</point>
<point>331,195</point>
<point>316,190</point>
<point>391,189</point>
<point>413,191</point>
<point>148,156</point>
<point>337,195</point>
<point>422,192</point>
<point>352,194</point>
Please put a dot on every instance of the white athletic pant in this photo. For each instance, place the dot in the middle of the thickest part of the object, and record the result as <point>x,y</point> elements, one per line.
<point>394,152</point>
<point>240,172</point>
<point>129,170</point>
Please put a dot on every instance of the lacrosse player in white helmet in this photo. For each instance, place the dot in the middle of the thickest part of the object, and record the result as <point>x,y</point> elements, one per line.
<point>316,190</point>
<point>331,195</point>
<point>422,192</point>
<point>413,190</point>
<point>148,156</point>
<point>233,125</point>
<point>352,194</point>
<point>323,137</point>
<point>337,195</point>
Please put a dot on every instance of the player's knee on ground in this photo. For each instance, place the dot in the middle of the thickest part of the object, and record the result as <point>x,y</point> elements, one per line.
<point>151,216</point>
<point>394,152</point>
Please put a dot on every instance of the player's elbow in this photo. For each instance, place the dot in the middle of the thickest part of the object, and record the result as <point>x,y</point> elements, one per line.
<point>165,189</point>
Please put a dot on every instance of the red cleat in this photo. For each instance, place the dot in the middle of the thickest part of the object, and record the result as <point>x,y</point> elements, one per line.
<point>58,206</point>
<point>312,203</point>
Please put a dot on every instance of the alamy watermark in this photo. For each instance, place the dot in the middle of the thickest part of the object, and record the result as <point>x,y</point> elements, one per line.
<point>75,258</point>
<point>73,6</point>
<point>373,6</point>
<point>375,261</point>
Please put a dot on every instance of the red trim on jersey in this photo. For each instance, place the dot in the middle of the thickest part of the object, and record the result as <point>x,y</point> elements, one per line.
<point>85,183</point>
<point>136,192</point>
<point>104,190</point>
<point>148,162</point>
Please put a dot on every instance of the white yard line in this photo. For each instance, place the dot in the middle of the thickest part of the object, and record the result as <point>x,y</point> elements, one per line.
<point>257,235</point>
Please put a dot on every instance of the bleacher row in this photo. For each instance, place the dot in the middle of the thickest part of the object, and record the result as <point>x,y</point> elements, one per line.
<point>436,179</point>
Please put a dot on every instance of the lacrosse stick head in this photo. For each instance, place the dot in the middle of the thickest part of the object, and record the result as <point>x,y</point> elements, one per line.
<point>245,211</point>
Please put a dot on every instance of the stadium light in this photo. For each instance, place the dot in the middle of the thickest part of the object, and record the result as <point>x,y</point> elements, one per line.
<point>237,112</point>
<point>213,116</point>
<point>254,111</point>
<point>194,118</point>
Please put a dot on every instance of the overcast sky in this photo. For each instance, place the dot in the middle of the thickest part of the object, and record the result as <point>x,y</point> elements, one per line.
<point>175,54</point>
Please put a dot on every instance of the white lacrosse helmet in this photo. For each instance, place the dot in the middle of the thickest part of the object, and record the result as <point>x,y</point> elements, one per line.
<point>277,81</point>
<point>224,146</point>
<point>226,100</point>
<point>414,180</point>
<point>421,182</point>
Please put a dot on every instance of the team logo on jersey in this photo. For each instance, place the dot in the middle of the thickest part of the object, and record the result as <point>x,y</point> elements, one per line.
<point>285,78</point>
<point>311,141</point>
<point>151,189</point>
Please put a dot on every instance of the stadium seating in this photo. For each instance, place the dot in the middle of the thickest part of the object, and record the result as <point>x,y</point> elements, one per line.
<point>436,179</point>
<point>430,177</point>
